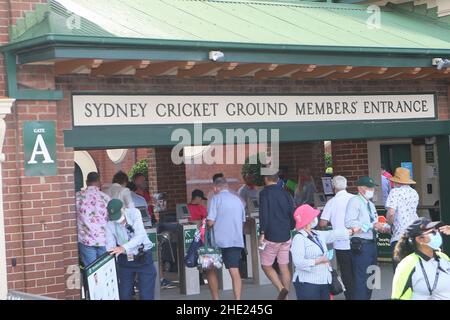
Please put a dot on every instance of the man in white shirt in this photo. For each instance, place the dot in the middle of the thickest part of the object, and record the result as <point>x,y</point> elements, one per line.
<point>334,213</point>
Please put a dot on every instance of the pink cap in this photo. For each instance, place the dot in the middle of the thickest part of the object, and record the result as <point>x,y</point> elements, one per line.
<point>304,215</point>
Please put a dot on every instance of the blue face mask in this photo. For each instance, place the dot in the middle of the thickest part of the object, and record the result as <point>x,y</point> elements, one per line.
<point>435,241</point>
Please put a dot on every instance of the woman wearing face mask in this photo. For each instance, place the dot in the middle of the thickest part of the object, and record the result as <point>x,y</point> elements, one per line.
<point>423,272</point>
<point>312,275</point>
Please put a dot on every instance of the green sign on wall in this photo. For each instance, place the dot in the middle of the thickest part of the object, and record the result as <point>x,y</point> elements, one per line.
<point>39,140</point>
<point>154,239</point>
<point>189,235</point>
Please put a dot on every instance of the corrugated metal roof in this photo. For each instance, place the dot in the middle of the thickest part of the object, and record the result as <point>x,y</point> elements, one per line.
<point>237,21</point>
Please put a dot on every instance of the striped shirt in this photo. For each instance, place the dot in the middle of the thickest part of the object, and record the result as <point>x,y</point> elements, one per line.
<point>305,252</point>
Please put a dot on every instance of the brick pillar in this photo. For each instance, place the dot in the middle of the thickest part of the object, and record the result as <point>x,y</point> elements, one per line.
<point>350,159</point>
<point>309,154</point>
<point>165,176</point>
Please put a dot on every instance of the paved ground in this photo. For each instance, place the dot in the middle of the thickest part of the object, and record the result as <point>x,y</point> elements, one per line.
<point>267,292</point>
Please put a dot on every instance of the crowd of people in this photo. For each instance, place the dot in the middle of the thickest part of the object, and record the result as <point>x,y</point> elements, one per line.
<point>291,231</point>
<point>355,225</point>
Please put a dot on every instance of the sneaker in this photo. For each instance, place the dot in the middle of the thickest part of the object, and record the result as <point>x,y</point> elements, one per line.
<point>166,284</point>
<point>283,294</point>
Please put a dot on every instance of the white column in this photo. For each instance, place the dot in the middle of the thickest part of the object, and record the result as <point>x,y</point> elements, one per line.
<point>5,108</point>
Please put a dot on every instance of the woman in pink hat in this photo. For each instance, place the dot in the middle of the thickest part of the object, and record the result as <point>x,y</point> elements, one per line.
<point>312,276</point>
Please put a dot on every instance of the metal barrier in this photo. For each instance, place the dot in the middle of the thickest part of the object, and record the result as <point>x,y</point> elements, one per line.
<point>152,235</point>
<point>251,230</point>
<point>17,295</point>
<point>189,277</point>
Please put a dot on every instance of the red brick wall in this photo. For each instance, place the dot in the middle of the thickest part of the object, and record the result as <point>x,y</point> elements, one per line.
<point>309,155</point>
<point>167,176</point>
<point>350,159</point>
<point>40,225</point>
<point>199,176</point>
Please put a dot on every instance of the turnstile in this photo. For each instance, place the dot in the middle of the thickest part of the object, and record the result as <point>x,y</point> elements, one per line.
<point>152,235</point>
<point>189,277</point>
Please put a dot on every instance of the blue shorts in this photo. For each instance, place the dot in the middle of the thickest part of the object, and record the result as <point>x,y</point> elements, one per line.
<point>231,257</point>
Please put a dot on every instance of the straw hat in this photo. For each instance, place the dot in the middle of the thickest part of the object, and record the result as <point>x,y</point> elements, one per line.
<point>402,176</point>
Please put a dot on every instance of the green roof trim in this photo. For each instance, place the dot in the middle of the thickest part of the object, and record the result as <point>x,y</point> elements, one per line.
<point>302,23</point>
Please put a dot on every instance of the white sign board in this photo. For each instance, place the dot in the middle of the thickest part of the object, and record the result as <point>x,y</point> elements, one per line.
<point>112,110</point>
<point>101,278</point>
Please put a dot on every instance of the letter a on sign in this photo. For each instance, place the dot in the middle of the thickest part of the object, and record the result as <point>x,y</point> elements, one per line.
<point>39,140</point>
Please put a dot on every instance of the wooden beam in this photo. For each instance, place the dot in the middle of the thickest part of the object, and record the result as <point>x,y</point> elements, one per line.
<point>284,70</point>
<point>424,72</point>
<point>76,66</point>
<point>438,74</point>
<point>206,69</point>
<point>245,69</point>
<point>320,72</point>
<point>128,67</point>
<point>164,68</point>
<point>356,73</point>
<point>390,73</point>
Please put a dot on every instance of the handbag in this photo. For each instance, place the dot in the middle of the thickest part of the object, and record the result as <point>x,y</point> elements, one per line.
<point>209,257</point>
<point>356,245</point>
<point>336,286</point>
<point>191,258</point>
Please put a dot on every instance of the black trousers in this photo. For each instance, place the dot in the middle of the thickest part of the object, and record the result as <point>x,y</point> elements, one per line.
<point>344,260</point>
<point>394,263</point>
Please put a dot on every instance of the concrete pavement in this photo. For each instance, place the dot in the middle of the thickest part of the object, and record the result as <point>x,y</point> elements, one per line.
<point>268,292</point>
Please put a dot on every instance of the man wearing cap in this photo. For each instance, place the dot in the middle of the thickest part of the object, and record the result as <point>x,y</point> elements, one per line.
<point>127,239</point>
<point>197,210</point>
<point>423,272</point>
<point>401,205</point>
<point>361,213</point>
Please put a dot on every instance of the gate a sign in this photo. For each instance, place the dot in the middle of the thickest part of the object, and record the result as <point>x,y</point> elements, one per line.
<point>39,139</point>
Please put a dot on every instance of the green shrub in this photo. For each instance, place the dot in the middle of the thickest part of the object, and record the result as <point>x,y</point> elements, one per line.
<point>254,168</point>
<point>139,167</point>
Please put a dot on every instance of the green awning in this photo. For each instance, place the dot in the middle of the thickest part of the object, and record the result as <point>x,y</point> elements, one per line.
<point>291,23</point>
<point>160,135</point>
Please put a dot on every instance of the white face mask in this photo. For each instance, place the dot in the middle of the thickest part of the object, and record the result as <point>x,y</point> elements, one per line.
<point>369,194</point>
<point>314,223</point>
<point>121,219</point>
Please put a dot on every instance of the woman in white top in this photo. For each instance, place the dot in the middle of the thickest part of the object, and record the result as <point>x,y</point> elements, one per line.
<point>424,271</point>
<point>312,276</point>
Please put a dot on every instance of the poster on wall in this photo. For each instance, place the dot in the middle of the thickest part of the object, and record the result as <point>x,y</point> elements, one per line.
<point>327,185</point>
<point>101,279</point>
<point>409,166</point>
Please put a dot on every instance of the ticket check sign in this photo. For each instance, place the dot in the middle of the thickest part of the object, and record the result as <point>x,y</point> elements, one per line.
<point>117,110</point>
<point>39,139</point>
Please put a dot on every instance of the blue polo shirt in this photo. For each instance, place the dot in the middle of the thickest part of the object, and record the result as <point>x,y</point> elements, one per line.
<point>228,214</point>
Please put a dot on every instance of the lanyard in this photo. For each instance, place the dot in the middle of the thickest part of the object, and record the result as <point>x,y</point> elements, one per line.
<point>314,239</point>
<point>119,233</point>
<point>436,278</point>
<point>369,209</point>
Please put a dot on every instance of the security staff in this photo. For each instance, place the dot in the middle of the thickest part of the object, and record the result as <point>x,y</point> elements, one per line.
<point>361,213</point>
<point>127,239</point>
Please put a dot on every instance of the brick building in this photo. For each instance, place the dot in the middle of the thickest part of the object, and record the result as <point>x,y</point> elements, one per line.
<point>58,51</point>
